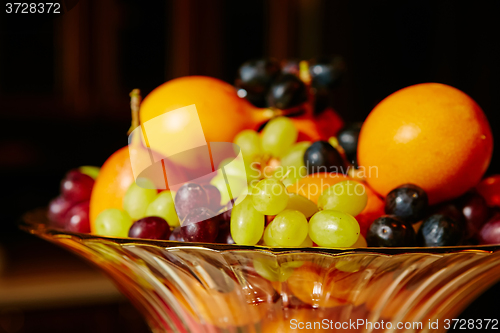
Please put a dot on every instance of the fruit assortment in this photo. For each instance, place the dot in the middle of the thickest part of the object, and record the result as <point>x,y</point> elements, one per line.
<point>406,177</point>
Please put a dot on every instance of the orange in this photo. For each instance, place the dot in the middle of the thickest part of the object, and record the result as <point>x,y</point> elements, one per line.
<point>308,129</point>
<point>431,135</point>
<point>111,184</point>
<point>223,114</point>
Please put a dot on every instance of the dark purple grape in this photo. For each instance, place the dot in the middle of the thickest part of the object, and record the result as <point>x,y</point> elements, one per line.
<point>490,232</point>
<point>151,227</point>
<point>200,225</point>
<point>390,231</point>
<point>225,218</point>
<point>255,77</point>
<point>224,237</point>
<point>408,202</point>
<point>440,230</point>
<point>188,197</point>
<point>76,186</point>
<point>348,139</point>
<point>176,235</point>
<point>326,72</point>
<point>322,157</point>
<point>286,92</point>
<point>58,208</point>
<point>450,210</point>
<point>214,197</point>
<point>77,218</point>
<point>475,211</point>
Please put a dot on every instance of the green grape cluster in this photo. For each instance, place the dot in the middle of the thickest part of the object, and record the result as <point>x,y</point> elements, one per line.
<point>296,220</point>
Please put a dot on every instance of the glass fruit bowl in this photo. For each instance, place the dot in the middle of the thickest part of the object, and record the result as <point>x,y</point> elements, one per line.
<point>195,287</point>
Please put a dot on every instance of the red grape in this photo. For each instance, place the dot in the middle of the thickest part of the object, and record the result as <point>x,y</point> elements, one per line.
<point>476,213</point>
<point>490,232</point>
<point>489,189</point>
<point>214,197</point>
<point>58,208</point>
<point>450,210</point>
<point>200,226</point>
<point>225,217</point>
<point>224,237</point>
<point>151,227</point>
<point>188,197</point>
<point>76,186</point>
<point>77,218</point>
<point>176,235</point>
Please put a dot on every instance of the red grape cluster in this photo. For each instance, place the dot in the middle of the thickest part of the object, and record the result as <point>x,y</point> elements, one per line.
<point>70,210</point>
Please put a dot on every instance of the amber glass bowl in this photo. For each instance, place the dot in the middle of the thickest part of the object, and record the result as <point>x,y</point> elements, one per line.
<point>195,287</point>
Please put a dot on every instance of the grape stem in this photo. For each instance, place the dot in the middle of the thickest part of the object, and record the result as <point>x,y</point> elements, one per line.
<point>135,102</point>
<point>285,175</point>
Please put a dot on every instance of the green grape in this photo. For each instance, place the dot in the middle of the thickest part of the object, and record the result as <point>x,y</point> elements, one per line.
<point>293,161</point>
<point>268,239</point>
<point>137,200</point>
<point>348,196</point>
<point>278,136</point>
<point>286,175</point>
<point>289,181</point>
<point>234,167</point>
<point>253,172</point>
<point>302,204</point>
<point>237,185</point>
<point>163,206</point>
<point>89,170</point>
<point>331,228</point>
<point>270,270</point>
<point>250,144</point>
<point>247,224</point>
<point>289,228</point>
<point>269,196</point>
<point>113,222</point>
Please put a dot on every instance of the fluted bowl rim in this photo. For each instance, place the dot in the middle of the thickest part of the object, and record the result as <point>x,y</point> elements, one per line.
<point>36,222</point>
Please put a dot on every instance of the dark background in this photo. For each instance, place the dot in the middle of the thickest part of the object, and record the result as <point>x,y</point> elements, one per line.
<point>64,82</point>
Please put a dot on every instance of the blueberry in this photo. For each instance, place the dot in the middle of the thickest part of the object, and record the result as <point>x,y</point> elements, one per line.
<point>390,231</point>
<point>440,230</point>
<point>322,157</point>
<point>408,202</point>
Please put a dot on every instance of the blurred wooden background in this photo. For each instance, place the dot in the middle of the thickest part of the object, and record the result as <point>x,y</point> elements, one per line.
<point>64,88</point>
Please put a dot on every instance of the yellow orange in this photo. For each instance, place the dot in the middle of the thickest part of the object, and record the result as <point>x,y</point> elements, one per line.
<point>223,114</point>
<point>432,135</point>
<point>110,186</point>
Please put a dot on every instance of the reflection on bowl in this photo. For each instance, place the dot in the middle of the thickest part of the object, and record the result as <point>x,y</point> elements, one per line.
<point>194,287</point>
